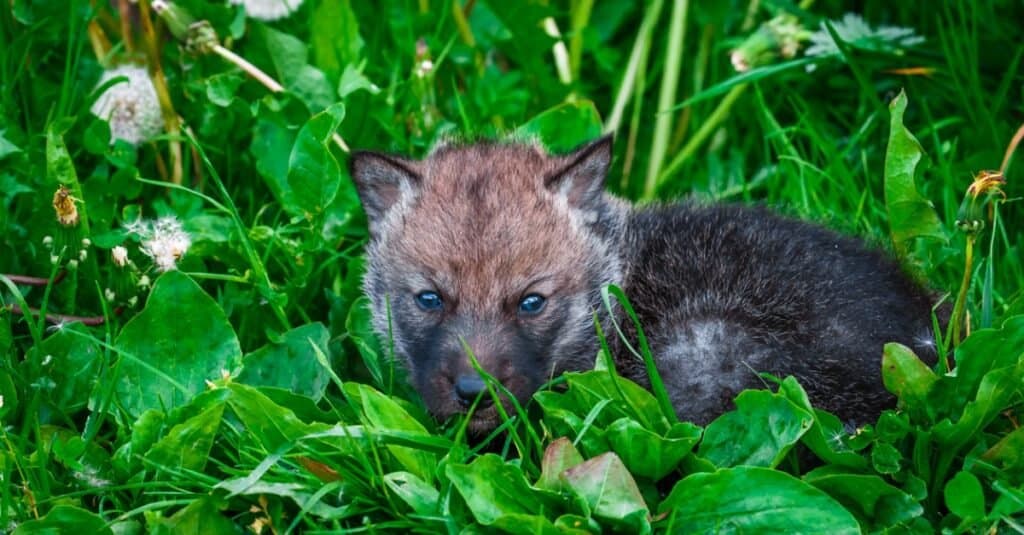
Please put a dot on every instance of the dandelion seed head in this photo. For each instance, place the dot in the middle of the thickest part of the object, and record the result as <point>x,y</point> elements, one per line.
<point>131,107</point>
<point>268,9</point>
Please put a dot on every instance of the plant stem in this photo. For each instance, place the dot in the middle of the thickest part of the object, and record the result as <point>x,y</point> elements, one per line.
<point>706,128</point>
<point>249,69</point>
<point>961,299</point>
<point>580,16</point>
<point>667,96</point>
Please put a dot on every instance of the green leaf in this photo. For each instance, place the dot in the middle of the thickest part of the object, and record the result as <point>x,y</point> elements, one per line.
<point>71,362</point>
<point>383,413</point>
<point>876,504</point>
<point>983,351</point>
<point>6,147</point>
<point>222,87</point>
<point>885,458</point>
<point>648,454</point>
<point>334,36</point>
<point>201,516</point>
<point>422,497</point>
<point>628,399</point>
<point>565,126</point>
<point>498,495</point>
<point>610,491</point>
<point>353,80</point>
<point>1008,453</point>
<point>65,519</point>
<point>187,446</point>
<point>759,432</point>
<point>180,340</point>
<point>272,425</point>
<point>313,173</point>
<point>290,362</point>
<point>911,215</point>
<point>995,393</point>
<point>964,497</point>
<point>290,58</point>
<point>907,376</point>
<point>749,499</point>
<point>826,437</point>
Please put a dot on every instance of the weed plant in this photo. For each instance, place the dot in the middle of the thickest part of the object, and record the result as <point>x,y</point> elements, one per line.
<point>184,347</point>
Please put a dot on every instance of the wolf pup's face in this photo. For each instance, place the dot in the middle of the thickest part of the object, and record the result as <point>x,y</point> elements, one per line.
<point>500,249</point>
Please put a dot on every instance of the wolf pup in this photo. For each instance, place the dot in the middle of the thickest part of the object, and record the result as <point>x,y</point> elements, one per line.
<point>505,247</point>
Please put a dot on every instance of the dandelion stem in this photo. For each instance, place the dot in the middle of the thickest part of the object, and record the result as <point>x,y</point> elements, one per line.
<point>57,319</point>
<point>961,299</point>
<point>249,68</point>
<point>26,280</point>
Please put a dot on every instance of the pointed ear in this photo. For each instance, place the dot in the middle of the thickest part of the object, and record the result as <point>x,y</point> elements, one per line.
<point>581,178</point>
<point>382,182</point>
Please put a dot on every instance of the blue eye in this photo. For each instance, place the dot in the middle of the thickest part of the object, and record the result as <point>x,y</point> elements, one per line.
<point>532,304</point>
<point>429,300</point>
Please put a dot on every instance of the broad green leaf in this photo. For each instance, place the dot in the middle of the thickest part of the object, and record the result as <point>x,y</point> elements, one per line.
<point>885,458</point>
<point>648,454</point>
<point>65,519</point>
<point>314,175</point>
<point>907,376</point>
<point>995,393</point>
<point>289,55</point>
<point>383,413</point>
<point>334,36</point>
<point>759,432</point>
<point>201,516</point>
<point>180,340</point>
<point>6,147</point>
<point>610,491</point>
<point>187,445</point>
<point>559,456</point>
<point>876,504</point>
<point>826,437</point>
<point>565,126</point>
<point>629,399</point>
<point>290,362</point>
<point>1008,453</point>
<point>272,425</point>
<point>272,141</point>
<point>71,361</point>
<point>498,495</point>
<point>911,215</point>
<point>416,493</point>
<point>222,87</point>
<point>750,499</point>
<point>353,80</point>
<point>983,351</point>
<point>965,497</point>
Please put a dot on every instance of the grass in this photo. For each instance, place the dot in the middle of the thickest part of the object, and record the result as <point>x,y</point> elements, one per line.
<point>246,390</point>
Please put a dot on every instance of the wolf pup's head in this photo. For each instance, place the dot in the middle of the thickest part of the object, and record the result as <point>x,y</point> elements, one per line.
<point>501,248</point>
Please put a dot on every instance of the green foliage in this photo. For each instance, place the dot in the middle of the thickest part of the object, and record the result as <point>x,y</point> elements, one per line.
<point>226,377</point>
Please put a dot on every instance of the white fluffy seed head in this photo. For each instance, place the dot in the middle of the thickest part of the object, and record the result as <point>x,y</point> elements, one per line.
<point>130,107</point>
<point>268,9</point>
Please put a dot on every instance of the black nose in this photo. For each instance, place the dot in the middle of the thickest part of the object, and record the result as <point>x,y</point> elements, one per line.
<point>468,387</point>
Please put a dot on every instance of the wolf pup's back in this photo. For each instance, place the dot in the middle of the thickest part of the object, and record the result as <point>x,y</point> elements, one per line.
<point>505,248</point>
